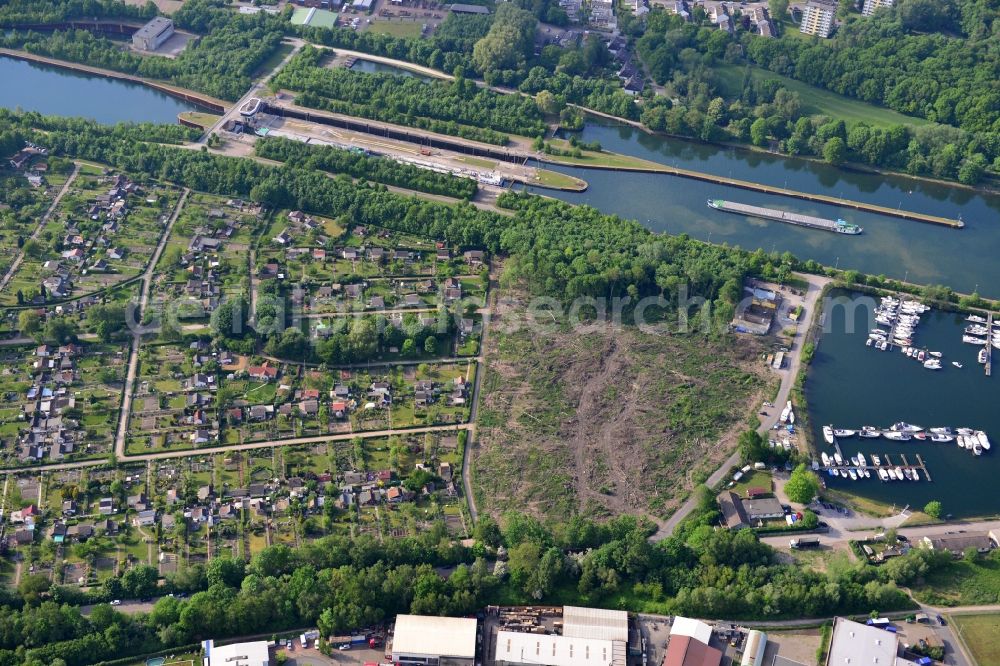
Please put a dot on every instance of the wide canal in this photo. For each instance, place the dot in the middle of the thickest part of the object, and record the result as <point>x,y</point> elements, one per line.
<point>53,90</point>
<point>963,259</point>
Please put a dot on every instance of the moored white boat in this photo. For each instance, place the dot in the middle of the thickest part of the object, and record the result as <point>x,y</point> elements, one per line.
<point>841,432</point>
<point>983,440</point>
<point>853,474</point>
<point>828,434</point>
<point>825,458</point>
<point>882,474</point>
<point>876,460</point>
<point>897,436</point>
<point>940,439</point>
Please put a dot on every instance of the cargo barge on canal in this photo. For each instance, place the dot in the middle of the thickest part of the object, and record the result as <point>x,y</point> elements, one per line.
<point>838,226</point>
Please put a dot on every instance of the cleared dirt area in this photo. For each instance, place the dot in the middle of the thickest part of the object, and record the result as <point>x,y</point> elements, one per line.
<point>165,6</point>
<point>608,421</point>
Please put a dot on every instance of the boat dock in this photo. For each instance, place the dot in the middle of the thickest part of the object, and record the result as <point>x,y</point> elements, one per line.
<point>989,343</point>
<point>887,464</point>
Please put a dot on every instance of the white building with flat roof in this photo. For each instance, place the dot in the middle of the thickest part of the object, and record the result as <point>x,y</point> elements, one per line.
<point>515,648</point>
<point>428,639</point>
<point>236,654</point>
<point>696,629</point>
<point>860,645</point>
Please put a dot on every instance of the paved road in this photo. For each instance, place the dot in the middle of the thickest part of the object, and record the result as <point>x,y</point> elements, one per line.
<point>809,301</point>
<point>41,225</point>
<point>250,94</point>
<point>133,359</point>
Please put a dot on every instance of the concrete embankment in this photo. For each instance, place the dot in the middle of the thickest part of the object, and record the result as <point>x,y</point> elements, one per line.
<point>205,101</point>
<point>769,189</point>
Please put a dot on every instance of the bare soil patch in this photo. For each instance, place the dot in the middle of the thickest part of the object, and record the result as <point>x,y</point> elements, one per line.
<point>610,420</point>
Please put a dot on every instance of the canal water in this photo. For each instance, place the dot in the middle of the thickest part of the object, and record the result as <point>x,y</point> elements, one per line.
<point>963,259</point>
<point>851,385</point>
<point>56,91</point>
<point>372,67</point>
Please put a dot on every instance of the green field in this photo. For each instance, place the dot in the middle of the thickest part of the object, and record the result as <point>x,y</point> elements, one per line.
<point>981,634</point>
<point>817,101</point>
<point>404,29</point>
<point>321,18</point>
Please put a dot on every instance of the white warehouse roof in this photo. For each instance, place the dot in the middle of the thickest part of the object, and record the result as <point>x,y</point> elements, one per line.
<point>432,636</point>
<point>514,647</point>
<point>236,654</point>
<point>696,629</point>
<point>609,625</point>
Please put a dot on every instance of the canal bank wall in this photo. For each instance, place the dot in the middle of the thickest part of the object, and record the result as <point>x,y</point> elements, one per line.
<point>769,189</point>
<point>205,101</point>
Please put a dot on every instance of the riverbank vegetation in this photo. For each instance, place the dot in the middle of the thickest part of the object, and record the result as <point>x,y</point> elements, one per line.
<point>459,107</point>
<point>698,65</point>
<point>361,165</point>
<point>221,62</point>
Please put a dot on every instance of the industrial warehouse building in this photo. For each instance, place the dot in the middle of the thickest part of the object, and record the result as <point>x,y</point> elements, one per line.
<point>689,644</point>
<point>236,654</point>
<point>854,643</point>
<point>588,637</point>
<point>152,35</point>
<point>441,641</point>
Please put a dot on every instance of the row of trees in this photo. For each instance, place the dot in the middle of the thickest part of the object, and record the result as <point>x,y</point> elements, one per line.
<point>361,165</point>
<point>341,584</point>
<point>452,107</point>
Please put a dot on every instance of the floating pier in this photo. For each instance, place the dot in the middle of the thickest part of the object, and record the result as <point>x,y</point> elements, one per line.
<point>989,343</point>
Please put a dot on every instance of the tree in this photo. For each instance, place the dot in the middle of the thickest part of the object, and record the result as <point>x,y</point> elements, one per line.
<point>227,571</point>
<point>933,509</point>
<point>60,329</point>
<point>835,150</point>
<point>547,103</point>
<point>229,320</point>
<point>29,322</point>
<point>752,447</point>
<point>758,132</point>
<point>140,581</point>
<point>778,9</point>
<point>802,486</point>
<point>430,345</point>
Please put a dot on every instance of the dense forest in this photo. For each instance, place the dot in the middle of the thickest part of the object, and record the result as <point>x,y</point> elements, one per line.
<point>220,62</point>
<point>449,107</point>
<point>361,165</point>
<point>342,584</point>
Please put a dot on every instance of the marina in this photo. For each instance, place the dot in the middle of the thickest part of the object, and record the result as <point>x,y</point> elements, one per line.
<point>850,390</point>
<point>797,219</point>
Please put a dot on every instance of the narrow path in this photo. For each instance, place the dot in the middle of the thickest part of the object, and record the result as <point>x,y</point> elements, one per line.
<point>41,225</point>
<point>470,442</point>
<point>133,359</point>
<point>809,301</point>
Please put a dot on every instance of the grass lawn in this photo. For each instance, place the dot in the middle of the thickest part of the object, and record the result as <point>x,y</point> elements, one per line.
<point>981,634</point>
<point>603,159</point>
<point>554,179</point>
<point>754,479</point>
<point>275,58</point>
<point>204,119</point>
<point>817,101</point>
<point>481,162</point>
<point>405,29</point>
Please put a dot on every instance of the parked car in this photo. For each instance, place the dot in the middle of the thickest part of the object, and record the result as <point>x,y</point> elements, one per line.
<point>116,602</point>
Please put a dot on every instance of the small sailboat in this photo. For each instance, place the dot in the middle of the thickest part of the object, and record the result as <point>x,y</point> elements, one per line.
<point>940,439</point>
<point>915,474</point>
<point>841,432</point>
<point>956,364</point>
